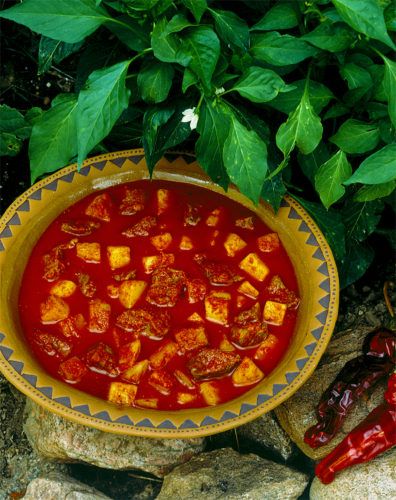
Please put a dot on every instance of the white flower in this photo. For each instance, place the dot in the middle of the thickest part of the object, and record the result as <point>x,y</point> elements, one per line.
<point>190,116</point>
<point>219,91</point>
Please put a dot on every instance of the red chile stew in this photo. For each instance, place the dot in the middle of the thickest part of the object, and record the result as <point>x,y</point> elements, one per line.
<point>159,295</point>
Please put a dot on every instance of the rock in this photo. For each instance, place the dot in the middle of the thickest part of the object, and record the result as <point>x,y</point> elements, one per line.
<point>57,486</point>
<point>57,438</point>
<point>266,431</point>
<point>298,412</point>
<point>227,474</point>
<point>19,464</point>
<point>375,480</point>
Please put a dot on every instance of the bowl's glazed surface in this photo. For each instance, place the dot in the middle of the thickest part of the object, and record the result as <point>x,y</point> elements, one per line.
<point>26,219</point>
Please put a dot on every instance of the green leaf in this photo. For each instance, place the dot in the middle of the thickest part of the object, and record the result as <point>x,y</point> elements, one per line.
<point>331,223</point>
<point>54,50</point>
<point>387,132</point>
<point>335,111</point>
<point>330,176</point>
<point>280,50</point>
<point>310,163</point>
<point>319,97</point>
<point>231,28</point>
<point>189,79</point>
<point>302,128</point>
<point>374,192</point>
<point>390,235</point>
<point>355,136</point>
<point>100,104</point>
<point>282,16</point>
<point>245,159</point>
<point>132,33</point>
<point>378,168</point>
<point>154,81</point>
<point>356,76</point>
<point>361,219</point>
<point>260,85</point>
<point>273,189</point>
<point>376,110</point>
<point>53,141</point>
<point>11,120</point>
<point>331,37</point>
<point>197,7</point>
<point>153,119</point>
<point>390,87</point>
<point>67,20</point>
<point>366,16</point>
<point>165,42</point>
<point>201,48</point>
<point>10,144</point>
<point>357,260</point>
<point>213,127</point>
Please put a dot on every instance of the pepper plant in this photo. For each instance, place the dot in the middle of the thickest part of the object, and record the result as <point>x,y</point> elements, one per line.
<point>273,96</point>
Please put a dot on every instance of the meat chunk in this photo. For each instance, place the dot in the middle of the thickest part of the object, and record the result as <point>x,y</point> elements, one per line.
<point>118,256</point>
<point>101,359</point>
<point>162,381</point>
<point>161,357</point>
<point>63,288</point>
<point>234,244</point>
<point>254,266</point>
<point>212,363</point>
<point>280,293</point>
<point>126,275</point>
<point>190,339</point>
<point>153,262</point>
<point>100,207</point>
<point>161,241</point>
<point>141,228</point>
<point>86,285</point>
<point>219,273</point>
<point>122,394</point>
<point>248,330</point>
<point>152,324</point>
<point>245,223</point>
<point>265,348</point>
<point>133,201</point>
<point>52,345</point>
<point>55,264</point>
<point>53,310</point>
<point>268,243</point>
<point>130,292</point>
<point>99,316</point>
<point>128,354</point>
<point>80,227</point>
<point>72,326</point>
<point>72,370</point>
<point>196,290</point>
<point>217,307</point>
<point>274,312</point>
<point>251,315</point>
<point>166,287</point>
<point>191,216</point>
<point>90,252</point>
<point>247,373</point>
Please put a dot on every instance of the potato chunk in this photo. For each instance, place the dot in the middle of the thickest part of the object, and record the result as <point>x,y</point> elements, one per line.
<point>211,363</point>
<point>217,307</point>
<point>210,393</point>
<point>152,262</point>
<point>274,312</point>
<point>133,201</point>
<point>53,310</point>
<point>152,324</point>
<point>90,252</point>
<point>128,354</point>
<point>100,207</point>
<point>147,402</point>
<point>254,266</point>
<point>51,345</point>
<point>162,381</point>
<point>184,379</point>
<point>185,397</point>
<point>72,370</point>
<point>141,228</point>
<point>214,217</point>
<point>63,288</point>
<point>186,243</point>
<point>265,348</point>
<point>113,291</point>
<point>135,372</point>
<point>130,292</point>
<point>191,338</point>
<point>161,241</point>
<point>195,318</point>
<point>234,244</point>
<point>166,287</point>
<point>163,200</point>
<point>247,373</point>
<point>225,345</point>
<point>122,394</point>
<point>72,326</point>
<point>99,316</point>
<point>101,359</point>
<point>161,357</point>
<point>248,289</point>
<point>268,243</point>
<point>118,256</point>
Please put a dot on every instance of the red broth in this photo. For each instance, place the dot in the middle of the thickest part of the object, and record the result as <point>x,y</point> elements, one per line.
<point>200,324</point>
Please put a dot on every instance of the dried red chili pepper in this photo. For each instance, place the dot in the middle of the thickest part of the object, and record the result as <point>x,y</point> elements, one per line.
<point>376,434</point>
<point>357,376</point>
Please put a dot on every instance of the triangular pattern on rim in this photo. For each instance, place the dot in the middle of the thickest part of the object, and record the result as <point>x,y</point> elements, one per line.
<point>323,269</point>
<point>32,379</point>
<point>311,240</point>
<point>82,409</point>
<point>124,420</point>
<point>227,415</point>
<point>317,333</point>
<point>293,214</point>
<point>6,351</point>
<point>146,422</point>
<point>277,388</point>
<point>15,220</point>
<point>209,421</point>
<point>85,170</point>
<point>6,233</point>
<point>188,424</point>
<point>24,207</point>
<point>325,285</point>
<point>103,415</point>
<point>262,398</point>
<point>100,165</point>
<point>321,317</point>
<point>2,336</point>
<point>303,227</point>
<point>47,391</point>
<point>301,363</point>
<point>166,424</point>
<point>36,195</point>
<point>319,254</point>
<point>309,349</point>
<point>52,186</point>
<point>135,159</point>
<point>245,408</point>
<point>118,162</point>
<point>63,400</point>
<point>325,301</point>
<point>2,248</point>
<point>290,376</point>
<point>68,177</point>
<point>17,365</point>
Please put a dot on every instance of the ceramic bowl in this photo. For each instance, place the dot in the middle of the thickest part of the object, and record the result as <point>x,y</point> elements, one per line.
<point>26,219</point>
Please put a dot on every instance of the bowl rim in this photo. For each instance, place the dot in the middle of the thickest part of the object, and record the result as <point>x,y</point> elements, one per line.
<point>324,322</point>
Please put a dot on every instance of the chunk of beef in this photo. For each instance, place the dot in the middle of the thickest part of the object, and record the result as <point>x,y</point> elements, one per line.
<point>166,287</point>
<point>72,370</point>
<point>72,326</point>
<point>211,363</point>
<point>52,345</point>
<point>245,223</point>
<point>141,228</point>
<point>100,207</point>
<point>196,290</point>
<point>55,264</point>
<point>86,285</point>
<point>133,201</point>
<point>101,359</point>
<point>152,324</point>
<point>80,227</point>
<point>162,381</point>
<point>248,330</point>
<point>99,316</point>
<point>280,293</point>
<point>191,216</point>
<point>219,273</point>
